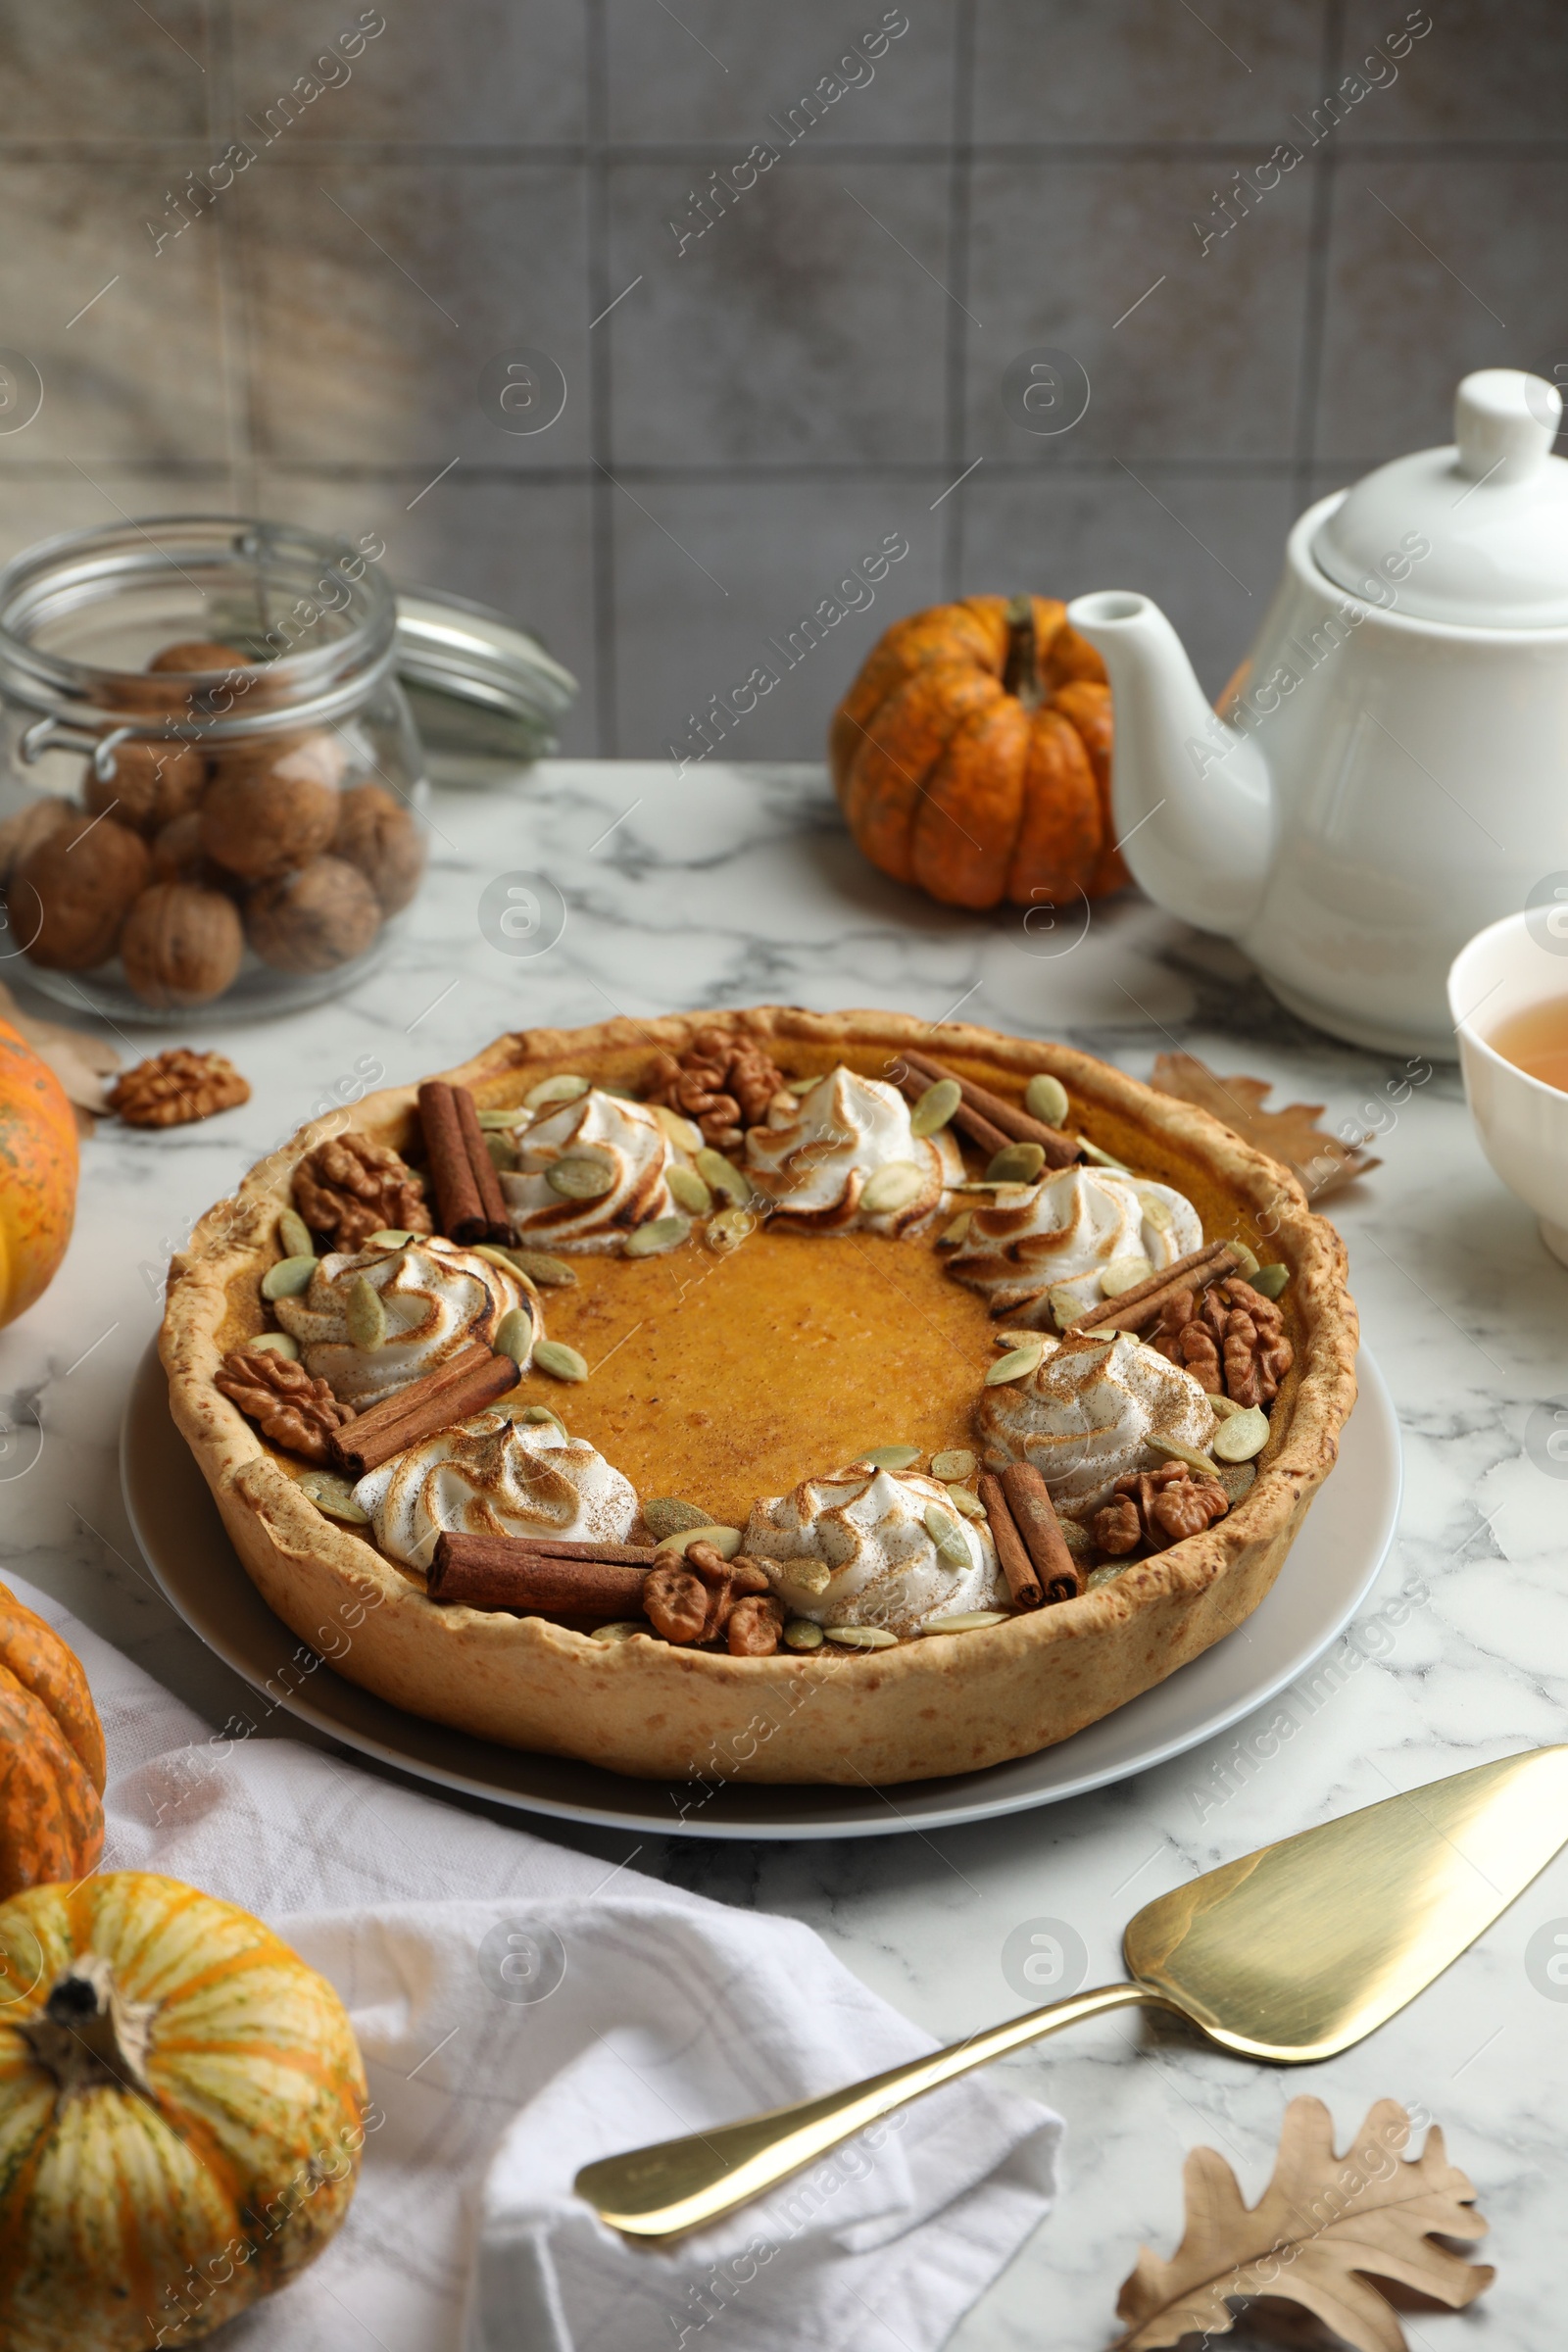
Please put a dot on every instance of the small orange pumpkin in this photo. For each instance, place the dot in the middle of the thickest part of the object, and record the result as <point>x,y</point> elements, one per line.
<point>51,1756</point>
<point>38,1174</point>
<point>182,2115</point>
<point>972,755</point>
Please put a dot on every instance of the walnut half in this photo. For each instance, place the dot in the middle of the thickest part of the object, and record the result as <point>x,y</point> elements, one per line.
<point>286,1404</point>
<point>349,1187</point>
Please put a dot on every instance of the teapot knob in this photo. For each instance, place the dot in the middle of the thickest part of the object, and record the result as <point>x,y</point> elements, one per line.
<point>1504,422</point>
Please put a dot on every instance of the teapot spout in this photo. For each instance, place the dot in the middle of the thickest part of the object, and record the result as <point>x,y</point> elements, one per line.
<point>1190,796</point>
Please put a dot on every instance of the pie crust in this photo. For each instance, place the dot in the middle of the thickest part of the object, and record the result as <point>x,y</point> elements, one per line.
<point>926,1708</point>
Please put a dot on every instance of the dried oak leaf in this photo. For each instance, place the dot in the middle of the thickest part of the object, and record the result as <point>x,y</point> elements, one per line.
<point>80,1061</point>
<point>1325,2229</point>
<point>1322,1163</point>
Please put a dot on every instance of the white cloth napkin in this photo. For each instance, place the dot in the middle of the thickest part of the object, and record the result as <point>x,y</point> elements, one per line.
<point>523,2008</point>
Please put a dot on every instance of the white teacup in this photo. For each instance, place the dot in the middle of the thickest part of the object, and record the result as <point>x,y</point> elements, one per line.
<point>1522,1122</point>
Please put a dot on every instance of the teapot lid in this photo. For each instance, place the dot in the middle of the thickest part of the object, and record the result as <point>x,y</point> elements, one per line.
<point>1491,514</point>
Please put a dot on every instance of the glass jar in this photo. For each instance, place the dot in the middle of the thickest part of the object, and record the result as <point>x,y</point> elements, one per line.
<point>211,789</point>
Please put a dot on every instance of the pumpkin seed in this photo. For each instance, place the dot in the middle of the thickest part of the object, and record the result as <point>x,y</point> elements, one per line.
<point>861,1637</point>
<point>288,1277</point>
<point>335,1497</point>
<point>1098,1158</point>
<point>1078,1540</point>
<point>957,1464</point>
<point>1016,1163</point>
<point>496,1256</point>
<point>276,1343</point>
<point>891,1457</point>
<point>619,1094</point>
<point>801,1633</point>
<point>1170,1449</point>
<point>1046,1098</point>
<point>1271,1281</point>
<point>811,1576</point>
<point>967,1621</point>
<point>1065,1304</point>
<point>684,1132</point>
<point>952,1544</point>
<point>723,1177</point>
<point>1124,1274</point>
<point>503,1151</point>
<point>1154,1210</point>
<point>1105,1576</point>
<point>1016,1364</point>
<point>969,1504</point>
<point>666,1515</point>
<point>1014,1338</point>
<point>622,1630</point>
<point>1249,1257</point>
<point>294,1235</point>
<point>803,1086</point>
<point>550,1273</point>
<point>580,1176</point>
<point>1223,1407</point>
<point>688,1191</point>
<point>515,1336</point>
<point>1242,1436</point>
<point>936,1107</point>
<point>560,1361</point>
<point>898,1185</point>
<point>364,1314</point>
<point>726,1540</point>
<point>729,1228</point>
<point>390,1237</point>
<point>658,1235</point>
<point>536,1415</point>
<point>957,1231</point>
<point>563,1088</point>
<point>501,1122</point>
<point>1236,1478</point>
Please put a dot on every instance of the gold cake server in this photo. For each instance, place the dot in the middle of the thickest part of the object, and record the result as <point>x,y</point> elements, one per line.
<point>1290,1954</point>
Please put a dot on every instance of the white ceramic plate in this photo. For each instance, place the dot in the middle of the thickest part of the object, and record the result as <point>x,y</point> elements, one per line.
<point>1329,1572</point>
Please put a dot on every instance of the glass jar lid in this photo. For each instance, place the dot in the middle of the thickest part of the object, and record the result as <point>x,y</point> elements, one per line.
<point>480,686</point>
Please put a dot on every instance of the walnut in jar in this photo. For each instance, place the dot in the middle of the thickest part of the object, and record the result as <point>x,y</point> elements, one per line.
<point>152,783</point>
<point>71,892</point>
<point>383,840</point>
<point>313,920</point>
<point>182,945</point>
<point>259,821</point>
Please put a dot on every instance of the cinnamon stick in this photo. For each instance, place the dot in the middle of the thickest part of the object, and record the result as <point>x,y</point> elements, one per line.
<point>418,1393</point>
<point>1140,1305</point>
<point>641,1556</point>
<point>355,1451</point>
<point>968,1120</point>
<point>460,1209</point>
<point>1017,1126</point>
<point>494,1572</point>
<point>499,1227</point>
<point>1034,1516</point>
<point>1016,1565</point>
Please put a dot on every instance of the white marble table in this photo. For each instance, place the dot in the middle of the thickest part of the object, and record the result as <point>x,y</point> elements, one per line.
<point>737,885</point>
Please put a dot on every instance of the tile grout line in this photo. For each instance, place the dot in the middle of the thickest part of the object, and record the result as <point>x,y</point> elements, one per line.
<point>233,309</point>
<point>1314,302</point>
<point>601,386</point>
<point>956,357</point>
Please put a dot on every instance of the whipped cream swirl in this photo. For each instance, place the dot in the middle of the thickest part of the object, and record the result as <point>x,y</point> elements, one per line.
<point>493,1476</point>
<point>625,1139</point>
<point>1067,1229</point>
<point>438,1300</point>
<point>1086,1416</point>
<point>853,1549</point>
<point>816,1157</point>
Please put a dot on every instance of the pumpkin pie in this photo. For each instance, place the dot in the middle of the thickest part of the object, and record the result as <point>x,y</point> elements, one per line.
<point>970,1388</point>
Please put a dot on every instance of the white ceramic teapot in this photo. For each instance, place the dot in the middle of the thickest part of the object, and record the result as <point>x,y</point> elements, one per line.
<point>1389,772</point>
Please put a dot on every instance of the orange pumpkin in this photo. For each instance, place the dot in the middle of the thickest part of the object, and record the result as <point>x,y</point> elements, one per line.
<point>38,1174</point>
<point>182,2113</point>
<point>972,755</point>
<point>51,1756</point>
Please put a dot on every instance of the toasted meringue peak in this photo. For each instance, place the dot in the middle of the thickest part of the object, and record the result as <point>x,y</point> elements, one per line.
<point>438,1300</point>
<point>855,1549</point>
<point>825,1159</point>
<point>1084,1418</point>
<point>625,1139</point>
<point>493,1476</point>
<point>1067,1229</point>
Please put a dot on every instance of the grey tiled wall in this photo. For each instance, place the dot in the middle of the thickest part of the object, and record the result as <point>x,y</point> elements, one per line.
<point>750,410</point>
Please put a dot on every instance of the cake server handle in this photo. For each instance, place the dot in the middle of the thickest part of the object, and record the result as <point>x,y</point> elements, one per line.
<point>678,2184</point>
